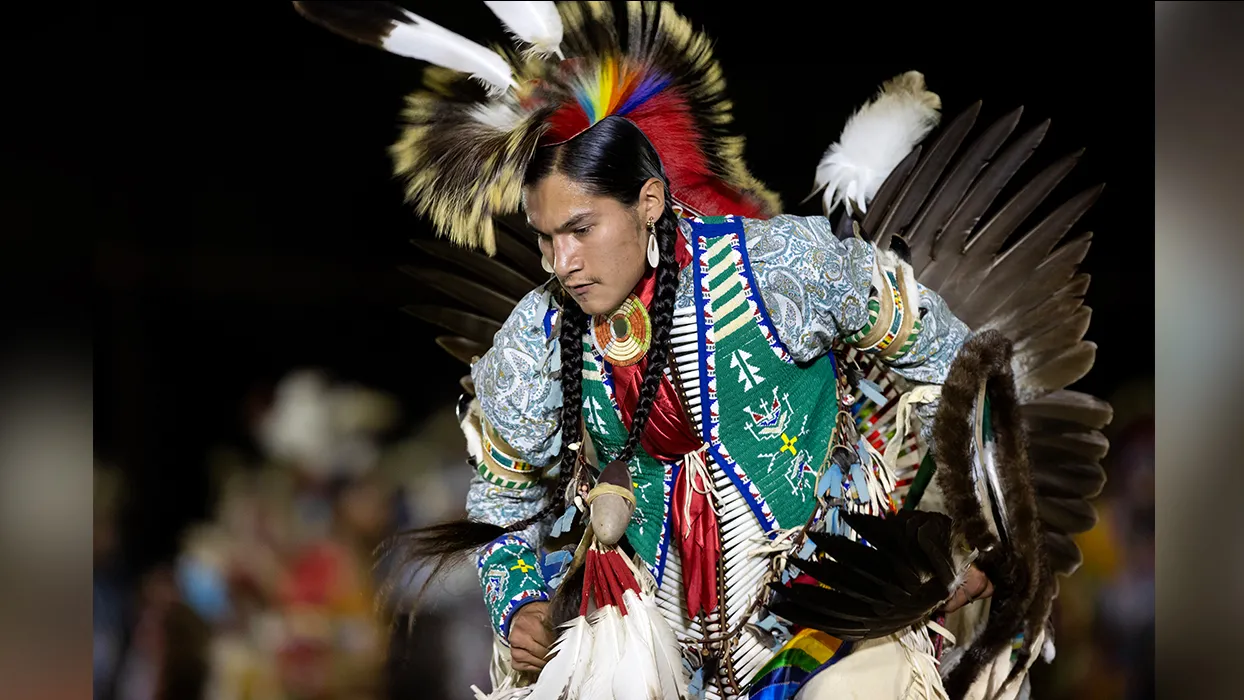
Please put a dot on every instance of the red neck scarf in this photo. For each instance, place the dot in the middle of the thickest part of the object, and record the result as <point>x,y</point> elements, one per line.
<point>668,435</point>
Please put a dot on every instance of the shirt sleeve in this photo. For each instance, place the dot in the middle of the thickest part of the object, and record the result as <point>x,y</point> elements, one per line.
<point>509,567</point>
<point>520,400</point>
<point>818,288</point>
<point>516,380</point>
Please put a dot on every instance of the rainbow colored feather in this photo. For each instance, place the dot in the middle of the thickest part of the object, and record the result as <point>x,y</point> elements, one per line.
<point>616,87</point>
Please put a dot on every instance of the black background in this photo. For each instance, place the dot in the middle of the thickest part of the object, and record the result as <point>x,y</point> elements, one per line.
<point>230,163</point>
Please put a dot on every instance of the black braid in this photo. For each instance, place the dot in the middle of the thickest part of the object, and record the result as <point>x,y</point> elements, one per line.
<point>574,325</point>
<point>662,314</point>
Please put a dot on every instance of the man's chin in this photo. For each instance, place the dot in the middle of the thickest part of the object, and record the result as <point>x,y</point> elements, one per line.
<point>593,306</point>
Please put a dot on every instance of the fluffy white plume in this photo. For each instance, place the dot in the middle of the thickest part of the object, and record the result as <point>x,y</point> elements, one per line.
<point>535,23</point>
<point>427,41</point>
<point>875,140</point>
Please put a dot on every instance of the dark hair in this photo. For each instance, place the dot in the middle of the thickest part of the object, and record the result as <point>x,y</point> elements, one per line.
<point>611,159</point>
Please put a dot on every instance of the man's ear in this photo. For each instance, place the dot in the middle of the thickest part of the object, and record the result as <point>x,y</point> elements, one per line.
<point>652,200</point>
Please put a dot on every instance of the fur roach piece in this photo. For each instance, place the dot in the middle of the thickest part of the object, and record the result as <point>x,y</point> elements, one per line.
<point>463,149</point>
<point>1022,581</point>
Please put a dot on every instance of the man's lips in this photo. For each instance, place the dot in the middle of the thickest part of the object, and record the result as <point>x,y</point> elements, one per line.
<point>580,289</point>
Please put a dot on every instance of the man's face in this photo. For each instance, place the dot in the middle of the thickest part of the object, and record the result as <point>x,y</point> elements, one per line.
<point>596,244</point>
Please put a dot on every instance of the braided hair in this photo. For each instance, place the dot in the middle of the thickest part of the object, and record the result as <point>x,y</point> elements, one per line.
<point>614,159</point>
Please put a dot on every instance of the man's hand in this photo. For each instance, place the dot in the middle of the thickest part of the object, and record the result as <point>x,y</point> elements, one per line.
<point>976,586</point>
<point>530,637</point>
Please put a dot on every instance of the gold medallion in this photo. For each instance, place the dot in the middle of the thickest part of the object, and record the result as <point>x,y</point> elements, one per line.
<point>625,335</point>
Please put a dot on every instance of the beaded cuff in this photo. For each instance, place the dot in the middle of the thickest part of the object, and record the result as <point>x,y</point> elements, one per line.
<point>502,469</point>
<point>510,574</point>
<point>893,321</point>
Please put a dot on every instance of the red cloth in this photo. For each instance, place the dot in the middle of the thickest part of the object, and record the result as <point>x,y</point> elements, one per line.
<point>668,437</point>
<point>699,544</point>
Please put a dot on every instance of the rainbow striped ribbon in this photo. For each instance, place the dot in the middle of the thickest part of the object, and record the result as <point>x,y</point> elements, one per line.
<point>802,657</point>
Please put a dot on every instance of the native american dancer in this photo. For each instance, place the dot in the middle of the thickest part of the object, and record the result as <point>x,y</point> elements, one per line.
<point>722,451</point>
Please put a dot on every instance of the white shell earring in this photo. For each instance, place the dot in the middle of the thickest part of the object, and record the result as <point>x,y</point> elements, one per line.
<point>654,253</point>
<point>544,263</point>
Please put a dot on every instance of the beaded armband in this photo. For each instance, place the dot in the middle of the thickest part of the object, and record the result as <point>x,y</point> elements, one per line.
<point>501,468</point>
<point>893,320</point>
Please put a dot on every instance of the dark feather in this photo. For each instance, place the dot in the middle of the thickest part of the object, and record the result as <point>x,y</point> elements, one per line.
<point>928,226</point>
<point>975,266</point>
<point>1034,424</point>
<point>564,605</point>
<point>465,351</point>
<point>467,325</point>
<point>1062,553</point>
<point>1064,331</point>
<point>933,535</point>
<point>880,566</point>
<point>1012,268</point>
<point>851,582</point>
<point>524,257</point>
<point>1056,270</point>
<point>517,226</point>
<point>1069,515</point>
<point>1064,369</point>
<point>949,246</point>
<point>500,276</point>
<point>1073,406</point>
<point>483,299</point>
<point>365,22</point>
<point>994,234</point>
<point>889,191</point>
<point>1089,445</point>
<point>903,574</point>
<point>1021,324</point>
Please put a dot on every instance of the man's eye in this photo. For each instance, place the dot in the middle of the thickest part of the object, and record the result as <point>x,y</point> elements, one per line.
<point>582,230</point>
<point>543,237</point>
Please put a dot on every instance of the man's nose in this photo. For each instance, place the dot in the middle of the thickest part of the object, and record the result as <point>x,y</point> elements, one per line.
<point>566,257</point>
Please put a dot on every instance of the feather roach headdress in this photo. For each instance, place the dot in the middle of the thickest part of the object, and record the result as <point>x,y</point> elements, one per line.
<point>470,132</point>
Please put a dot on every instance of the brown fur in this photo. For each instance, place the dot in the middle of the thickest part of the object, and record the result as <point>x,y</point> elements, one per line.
<point>1020,576</point>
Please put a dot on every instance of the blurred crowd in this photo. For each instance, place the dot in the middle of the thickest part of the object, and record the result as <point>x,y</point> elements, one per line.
<point>283,594</point>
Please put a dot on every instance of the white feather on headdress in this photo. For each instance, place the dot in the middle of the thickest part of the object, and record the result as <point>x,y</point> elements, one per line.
<point>427,41</point>
<point>875,140</point>
<point>535,23</point>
